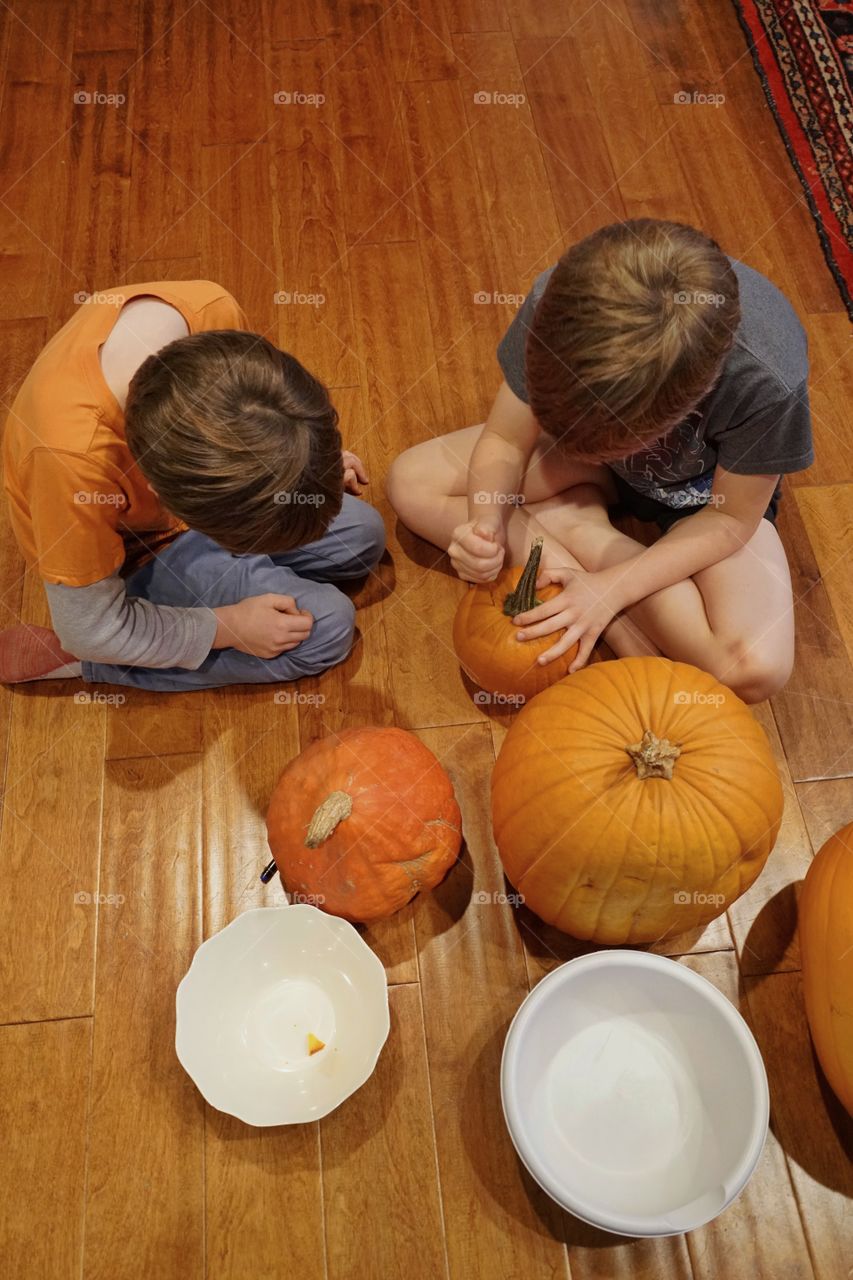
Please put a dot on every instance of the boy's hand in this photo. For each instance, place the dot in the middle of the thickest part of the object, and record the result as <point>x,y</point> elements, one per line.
<point>477,550</point>
<point>263,626</point>
<point>584,607</point>
<point>354,473</point>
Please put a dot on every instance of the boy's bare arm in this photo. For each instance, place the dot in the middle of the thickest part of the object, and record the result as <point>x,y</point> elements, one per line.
<point>500,457</point>
<point>722,527</point>
<point>589,601</point>
<point>495,475</point>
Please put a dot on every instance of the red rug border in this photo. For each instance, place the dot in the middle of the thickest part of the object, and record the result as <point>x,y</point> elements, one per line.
<point>838,254</point>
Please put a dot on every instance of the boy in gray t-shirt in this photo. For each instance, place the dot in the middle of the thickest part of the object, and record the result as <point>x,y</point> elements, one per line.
<point>645,371</point>
<point>755,421</point>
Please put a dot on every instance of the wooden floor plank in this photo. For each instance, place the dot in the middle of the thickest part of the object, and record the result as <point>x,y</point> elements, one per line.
<point>814,711</point>
<point>763,1224</point>
<point>238,80</point>
<point>239,251</point>
<point>49,853</point>
<point>512,174</point>
<point>830,391</point>
<point>105,26</point>
<point>165,216</point>
<point>827,513</point>
<point>582,179</point>
<point>313,314</point>
<point>145,1201</point>
<point>21,340</point>
<point>466,932</point>
<point>44,1081</point>
<point>35,149</point>
<point>403,405</point>
<point>374,162</point>
<point>827,806</point>
<point>379,1148</point>
<point>810,1124</point>
<point>462,283</point>
<point>95,231</point>
<point>764,920</point>
<point>263,1200</point>
<point>249,739</point>
<point>639,135</point>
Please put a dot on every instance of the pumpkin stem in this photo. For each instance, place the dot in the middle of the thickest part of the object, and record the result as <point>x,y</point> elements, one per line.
<point>327,815</point>
<point>654,757</point>
<point>524,596</point>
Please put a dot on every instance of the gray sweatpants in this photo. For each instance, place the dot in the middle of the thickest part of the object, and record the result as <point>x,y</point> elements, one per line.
<point>195,571</point>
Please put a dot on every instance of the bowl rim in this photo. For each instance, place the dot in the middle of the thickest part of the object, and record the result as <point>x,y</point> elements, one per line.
<point>182,994</point>
<point>626,1224</point>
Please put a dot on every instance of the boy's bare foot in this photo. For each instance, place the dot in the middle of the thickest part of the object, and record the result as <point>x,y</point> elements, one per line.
<point>28,652</point>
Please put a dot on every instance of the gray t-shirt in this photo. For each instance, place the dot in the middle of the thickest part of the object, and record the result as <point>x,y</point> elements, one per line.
<point>755,421</point>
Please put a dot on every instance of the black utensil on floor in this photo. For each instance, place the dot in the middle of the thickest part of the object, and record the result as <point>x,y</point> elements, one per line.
<point>268,872</point>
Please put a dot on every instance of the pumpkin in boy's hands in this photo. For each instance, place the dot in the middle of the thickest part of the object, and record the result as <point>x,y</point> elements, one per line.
<point>362,821</point>
<point>825,912</point>
<point>635,800</point>
<point>486,639</point>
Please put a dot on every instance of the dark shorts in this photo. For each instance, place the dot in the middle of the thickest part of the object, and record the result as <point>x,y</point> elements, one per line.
<point>632,503</point>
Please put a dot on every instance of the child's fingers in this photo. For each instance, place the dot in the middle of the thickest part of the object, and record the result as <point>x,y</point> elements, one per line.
<point>585,648</point>
<point>558,577</point>
<point>563,644</point>
<point>541,613</point>
<point>482,549</point>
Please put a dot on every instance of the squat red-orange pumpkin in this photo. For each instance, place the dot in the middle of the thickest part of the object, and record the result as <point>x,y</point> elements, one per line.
<point>362,821</point>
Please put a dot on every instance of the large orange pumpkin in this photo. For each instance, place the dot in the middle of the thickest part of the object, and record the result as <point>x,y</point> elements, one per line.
<point>486,640</point>
<point>635,799</point>
<point>826,944</point>
<point>363,820</point>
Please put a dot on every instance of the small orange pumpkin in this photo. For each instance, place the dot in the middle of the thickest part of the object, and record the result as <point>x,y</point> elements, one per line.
<point>486,641</point>
<point>635,800</point>
<point>826,943</point>
<point>362,821</point>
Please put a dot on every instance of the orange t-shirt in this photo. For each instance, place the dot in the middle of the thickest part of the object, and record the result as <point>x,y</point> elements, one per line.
<point>79,505</point>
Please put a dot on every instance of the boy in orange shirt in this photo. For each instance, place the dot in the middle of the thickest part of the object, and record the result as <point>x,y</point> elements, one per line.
<point>179,485</point>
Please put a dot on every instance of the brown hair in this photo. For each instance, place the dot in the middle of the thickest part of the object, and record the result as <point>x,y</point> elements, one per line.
<point>630,334</point>
<point>238,439</point>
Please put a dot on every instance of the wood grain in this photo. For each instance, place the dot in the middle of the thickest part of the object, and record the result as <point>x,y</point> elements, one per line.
<point>827,806</point>
<point>763,1223</point>
<point>44,1082</point>
<point>467,927</point>
<point>814,711</point>
<point>307,223</point>
<point>49,854</point>
<point>764,920</point>
<point>382,1151</point>
<point>145,1188</point>
<point>400,199</point>
<point>809,1123</point>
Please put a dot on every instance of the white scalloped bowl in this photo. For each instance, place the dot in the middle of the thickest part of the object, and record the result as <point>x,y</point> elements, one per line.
<point>634,1093</point>
<point>254,993</point>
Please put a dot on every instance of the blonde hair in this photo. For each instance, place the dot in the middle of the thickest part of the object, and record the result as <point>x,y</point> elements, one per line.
<point>631,332</point>
<point>238,439</point>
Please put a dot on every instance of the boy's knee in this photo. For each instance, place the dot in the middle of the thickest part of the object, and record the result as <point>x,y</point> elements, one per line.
<point>332,633</point>
<point>369,537</point>
<point>402,480</point>
<point>753,674</point>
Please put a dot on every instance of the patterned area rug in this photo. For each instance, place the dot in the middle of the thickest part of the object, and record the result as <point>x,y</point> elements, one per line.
<point>803,52</point>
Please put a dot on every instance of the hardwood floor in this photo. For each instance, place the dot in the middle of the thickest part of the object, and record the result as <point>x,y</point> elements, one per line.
<point>399,198</point>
